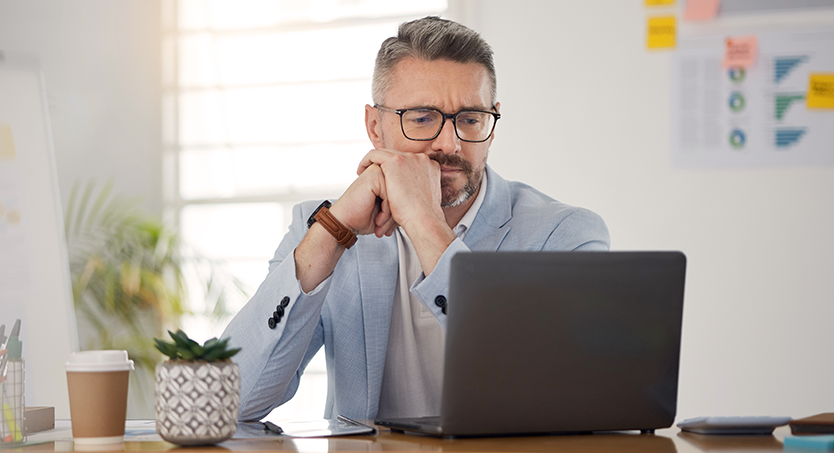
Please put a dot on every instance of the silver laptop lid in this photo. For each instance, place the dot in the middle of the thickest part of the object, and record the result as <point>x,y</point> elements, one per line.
<point>562,342</point>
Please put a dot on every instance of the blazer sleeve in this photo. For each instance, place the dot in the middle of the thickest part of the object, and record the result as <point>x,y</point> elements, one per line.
<point>581,231</point>
<point>272,359</point>
<point>577,230</point>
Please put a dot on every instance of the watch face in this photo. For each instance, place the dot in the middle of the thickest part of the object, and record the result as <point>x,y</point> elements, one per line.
<point>312,219</point>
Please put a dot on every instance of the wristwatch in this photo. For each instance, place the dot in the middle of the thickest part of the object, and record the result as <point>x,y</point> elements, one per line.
<point>322,215</point>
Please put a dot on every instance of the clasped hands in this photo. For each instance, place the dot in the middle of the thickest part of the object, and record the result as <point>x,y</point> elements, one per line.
<point>393,189</point>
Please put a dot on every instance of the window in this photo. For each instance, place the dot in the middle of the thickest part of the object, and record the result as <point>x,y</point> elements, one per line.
<point>263,108</point>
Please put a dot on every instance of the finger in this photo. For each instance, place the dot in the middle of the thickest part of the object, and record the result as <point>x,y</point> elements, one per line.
<point>387,229</point>
<point>364,164</point>
<point>382,223</point>
<point>384,213</point>
<point>375,156</point>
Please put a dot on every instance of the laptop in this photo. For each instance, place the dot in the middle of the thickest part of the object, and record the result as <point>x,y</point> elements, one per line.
<point>559,342</point>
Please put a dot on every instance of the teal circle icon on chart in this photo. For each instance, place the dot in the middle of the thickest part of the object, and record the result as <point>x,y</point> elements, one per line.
<point>737,139</point>
<point>737,101</point>
<point>736,74</point>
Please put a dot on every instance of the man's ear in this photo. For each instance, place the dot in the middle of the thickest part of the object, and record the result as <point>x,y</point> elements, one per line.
<point>373,126</point>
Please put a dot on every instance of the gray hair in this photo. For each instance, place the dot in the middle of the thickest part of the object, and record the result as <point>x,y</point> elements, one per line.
<point>431,38</point>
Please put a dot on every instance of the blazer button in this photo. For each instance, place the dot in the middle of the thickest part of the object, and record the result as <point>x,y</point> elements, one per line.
<point>443,309</point>
<point>279,313</point>
<point>440,301</point>
<point>285,301</point>
<point>271,323</point>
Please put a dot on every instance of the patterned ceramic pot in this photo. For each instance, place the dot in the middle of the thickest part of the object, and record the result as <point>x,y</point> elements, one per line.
<point>197,403</point>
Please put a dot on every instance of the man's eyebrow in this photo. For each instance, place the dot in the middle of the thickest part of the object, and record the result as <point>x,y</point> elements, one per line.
<point>464,108</point>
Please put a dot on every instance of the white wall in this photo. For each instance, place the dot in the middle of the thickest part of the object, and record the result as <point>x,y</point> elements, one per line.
<point>101,60</point>
<point>586,119</point>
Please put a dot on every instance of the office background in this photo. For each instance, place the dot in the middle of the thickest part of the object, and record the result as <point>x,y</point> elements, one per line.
<point>585,119</point>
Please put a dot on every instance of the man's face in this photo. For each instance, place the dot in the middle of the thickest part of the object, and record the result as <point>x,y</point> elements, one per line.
<point>449,87</point>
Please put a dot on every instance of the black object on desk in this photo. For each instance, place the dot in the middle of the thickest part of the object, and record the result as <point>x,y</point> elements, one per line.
<point>815,424</point>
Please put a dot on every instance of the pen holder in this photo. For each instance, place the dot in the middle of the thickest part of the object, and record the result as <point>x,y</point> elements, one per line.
<point>12,428</point>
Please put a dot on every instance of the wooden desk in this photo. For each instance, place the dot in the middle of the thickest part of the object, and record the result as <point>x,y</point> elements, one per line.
<point>670,440</point>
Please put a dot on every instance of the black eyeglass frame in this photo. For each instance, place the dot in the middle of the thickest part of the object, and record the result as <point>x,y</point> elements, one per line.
<point>446,116</point>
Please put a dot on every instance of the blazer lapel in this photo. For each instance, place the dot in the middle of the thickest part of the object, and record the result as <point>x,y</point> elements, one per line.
<point>491,224</point>
<point>378,267</point>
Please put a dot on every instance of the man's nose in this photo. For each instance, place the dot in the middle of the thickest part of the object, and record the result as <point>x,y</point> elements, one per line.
<point>448,141</point>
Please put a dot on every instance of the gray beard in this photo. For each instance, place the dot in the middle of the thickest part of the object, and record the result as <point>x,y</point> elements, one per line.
<point>450,199</point>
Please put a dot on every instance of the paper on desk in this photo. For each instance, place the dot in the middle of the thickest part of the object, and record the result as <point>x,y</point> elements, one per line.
<point>135,431</point>
<point>141,431</point>
<point>304,428</point>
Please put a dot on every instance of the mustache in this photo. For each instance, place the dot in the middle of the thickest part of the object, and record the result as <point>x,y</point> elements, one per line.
<point>451,160</point>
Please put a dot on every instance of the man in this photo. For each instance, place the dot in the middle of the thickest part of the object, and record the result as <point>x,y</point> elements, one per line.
<point>423,194</point>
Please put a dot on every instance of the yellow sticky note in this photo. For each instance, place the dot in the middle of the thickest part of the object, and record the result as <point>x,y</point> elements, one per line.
<point>821,91</point>
<point>6,142</point>
<point>661,32</point>
<point>660,2</point>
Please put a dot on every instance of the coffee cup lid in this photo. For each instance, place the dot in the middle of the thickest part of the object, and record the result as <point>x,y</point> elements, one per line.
<point>92,361</point>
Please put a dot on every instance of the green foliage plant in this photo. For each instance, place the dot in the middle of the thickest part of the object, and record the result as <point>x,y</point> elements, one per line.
<point>186,349</point>
<point>131,277</point>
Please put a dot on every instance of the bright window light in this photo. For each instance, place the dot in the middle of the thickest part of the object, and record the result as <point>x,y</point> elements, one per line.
<point>263,108</point>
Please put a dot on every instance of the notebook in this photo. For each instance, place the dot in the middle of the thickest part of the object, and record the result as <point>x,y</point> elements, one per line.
<point>559,342</point>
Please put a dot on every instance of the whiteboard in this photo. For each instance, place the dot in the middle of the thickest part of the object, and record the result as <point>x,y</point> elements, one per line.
<point>35,284</point>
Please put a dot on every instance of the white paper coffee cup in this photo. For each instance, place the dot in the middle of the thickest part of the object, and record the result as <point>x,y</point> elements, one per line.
<point>98,385</point>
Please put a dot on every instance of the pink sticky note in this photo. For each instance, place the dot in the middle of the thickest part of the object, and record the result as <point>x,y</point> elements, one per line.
<point>701,9</point>
<point>740,51</point>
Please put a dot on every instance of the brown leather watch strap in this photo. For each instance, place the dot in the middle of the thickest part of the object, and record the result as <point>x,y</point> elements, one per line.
<point>342,234</point>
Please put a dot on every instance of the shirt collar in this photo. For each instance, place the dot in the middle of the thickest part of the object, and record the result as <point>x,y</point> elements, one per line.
<point>466,221</point>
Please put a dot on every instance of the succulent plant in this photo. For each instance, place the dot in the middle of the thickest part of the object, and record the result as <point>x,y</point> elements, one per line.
<point>184,348</point>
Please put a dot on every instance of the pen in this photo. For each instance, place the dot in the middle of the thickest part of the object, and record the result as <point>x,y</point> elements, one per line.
<point>14,431</point>
<point>15,353</point>
<point>272,427</point>
<point>15,329</point>
<point>12,343</point>
<point>2,346</point>
<point>349,421</point>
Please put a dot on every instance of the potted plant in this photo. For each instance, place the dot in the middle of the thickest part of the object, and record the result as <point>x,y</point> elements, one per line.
<point>197,391</point>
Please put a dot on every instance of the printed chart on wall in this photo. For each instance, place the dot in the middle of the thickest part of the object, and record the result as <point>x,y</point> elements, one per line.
<point>755,116</point>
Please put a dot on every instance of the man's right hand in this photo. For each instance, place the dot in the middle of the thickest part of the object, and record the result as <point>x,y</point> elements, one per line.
<point>362,209</point>
<point>364,206</point>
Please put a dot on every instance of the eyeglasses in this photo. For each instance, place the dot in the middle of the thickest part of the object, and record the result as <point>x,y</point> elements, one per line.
<point>473,126</point>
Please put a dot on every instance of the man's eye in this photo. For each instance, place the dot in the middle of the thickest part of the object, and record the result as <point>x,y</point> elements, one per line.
<point>469,120</point>
<point>422,119</point>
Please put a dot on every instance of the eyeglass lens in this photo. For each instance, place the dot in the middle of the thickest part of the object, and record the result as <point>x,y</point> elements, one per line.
<point>425,124</point>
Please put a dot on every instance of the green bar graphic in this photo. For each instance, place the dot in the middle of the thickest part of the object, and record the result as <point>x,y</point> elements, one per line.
<point>783,101</point>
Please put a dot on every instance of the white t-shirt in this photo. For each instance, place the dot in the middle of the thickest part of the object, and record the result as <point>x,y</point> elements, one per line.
<point>413,377</point>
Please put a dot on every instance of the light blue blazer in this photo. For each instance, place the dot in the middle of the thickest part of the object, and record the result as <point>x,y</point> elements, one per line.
<point>350,312</point>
